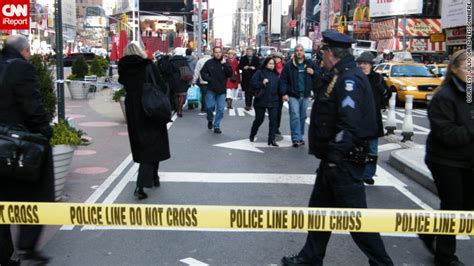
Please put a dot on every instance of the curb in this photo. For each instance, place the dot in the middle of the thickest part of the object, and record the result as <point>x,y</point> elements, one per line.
<point>409,168</point>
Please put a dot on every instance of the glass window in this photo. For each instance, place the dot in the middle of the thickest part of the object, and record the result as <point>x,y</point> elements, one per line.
<point>410,71</point>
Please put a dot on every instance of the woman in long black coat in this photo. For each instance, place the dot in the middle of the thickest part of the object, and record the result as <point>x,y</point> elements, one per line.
<point>148,139</point>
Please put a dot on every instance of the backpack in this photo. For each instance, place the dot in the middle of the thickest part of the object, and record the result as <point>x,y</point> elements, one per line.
<point>185,73</point>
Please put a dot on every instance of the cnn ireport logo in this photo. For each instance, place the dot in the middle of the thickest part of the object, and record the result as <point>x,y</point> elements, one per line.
<point>15,14</point>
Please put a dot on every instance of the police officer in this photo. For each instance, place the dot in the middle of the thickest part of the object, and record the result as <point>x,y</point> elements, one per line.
<point>340,124</point>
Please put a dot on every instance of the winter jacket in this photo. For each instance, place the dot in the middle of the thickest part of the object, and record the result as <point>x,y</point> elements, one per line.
<point>234,64</point>
<point>248,73</point>
<point>451,139</point>
<point>191,62</point>
<point>197,72</point>
<point>289,79</point>
<point>215,73</point>
<point>266,95</point>
<point>20,103</point>
<point>176,83</point>
<point>379,90</point>
<point>148,139</point>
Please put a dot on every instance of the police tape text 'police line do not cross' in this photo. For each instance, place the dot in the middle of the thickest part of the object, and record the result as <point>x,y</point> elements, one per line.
<point>237,218</point>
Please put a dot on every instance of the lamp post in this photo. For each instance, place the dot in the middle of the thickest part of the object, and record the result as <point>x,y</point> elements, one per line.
<point>59,59</point>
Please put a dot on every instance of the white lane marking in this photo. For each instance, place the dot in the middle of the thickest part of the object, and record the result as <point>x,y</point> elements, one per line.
<point>231,112</point>
<point>110,228</point>
<point>122,184</point>
<point>400,186</point>
<point>193,262</point>
<point>388,147</point>
<point>104,186</point>
<point>246,145</point>
<point>399,132</point>
<point>420,128</point>
<point>402,114</point>
<point>421,112</point>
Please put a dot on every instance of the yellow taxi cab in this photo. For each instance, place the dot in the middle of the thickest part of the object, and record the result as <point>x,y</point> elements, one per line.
<point>409,78</point>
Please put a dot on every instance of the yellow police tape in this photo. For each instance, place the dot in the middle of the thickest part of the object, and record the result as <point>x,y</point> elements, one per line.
<point>239,217</point>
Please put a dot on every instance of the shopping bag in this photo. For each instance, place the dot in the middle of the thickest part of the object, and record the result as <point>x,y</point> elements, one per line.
<point>194,94</point>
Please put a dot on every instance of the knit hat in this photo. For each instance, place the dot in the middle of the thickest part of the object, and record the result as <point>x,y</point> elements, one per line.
<point>366,57</point>
<point>278,54</point>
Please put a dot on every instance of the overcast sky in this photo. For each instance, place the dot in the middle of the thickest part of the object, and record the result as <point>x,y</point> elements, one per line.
<point>223,11</point>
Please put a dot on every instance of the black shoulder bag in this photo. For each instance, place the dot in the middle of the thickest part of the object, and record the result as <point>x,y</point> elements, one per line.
<point>21,152</point>
<point>156,104</point>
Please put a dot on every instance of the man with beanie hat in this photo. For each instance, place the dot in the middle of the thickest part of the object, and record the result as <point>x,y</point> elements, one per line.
<point>379,91</point>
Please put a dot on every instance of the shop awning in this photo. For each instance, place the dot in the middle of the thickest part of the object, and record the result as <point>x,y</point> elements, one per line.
<point>414,45</point>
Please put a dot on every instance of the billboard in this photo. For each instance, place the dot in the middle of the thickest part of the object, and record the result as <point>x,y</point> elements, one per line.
<point>453,13</point>
<point>419,27</point>
<point>276,17</point>
<point>383,8</point>
<point>95,22</point>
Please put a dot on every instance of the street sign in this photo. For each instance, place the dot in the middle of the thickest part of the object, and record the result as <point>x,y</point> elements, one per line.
<point>292,24</point>
<point>218,42</point>
<point>437,37</point>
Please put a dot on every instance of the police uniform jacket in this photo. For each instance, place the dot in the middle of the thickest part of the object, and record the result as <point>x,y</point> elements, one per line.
<point>343,113</point>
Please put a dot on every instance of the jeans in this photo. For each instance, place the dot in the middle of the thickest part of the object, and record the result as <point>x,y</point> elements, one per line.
<point>215,101</point>
<point>298,108</point>
<point>260,116</point>
<point>370,168</point>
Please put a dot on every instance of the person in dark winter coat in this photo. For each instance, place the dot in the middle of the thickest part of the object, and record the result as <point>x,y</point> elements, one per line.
<point>379,91</point>
<point>266,88</point>
<point>148,139</point>
<point>296,84</point>
<point>215,71</point>
<point>450,152</point>
<point>248,64</point>
<point>20,103</point>
<point>177,83</point>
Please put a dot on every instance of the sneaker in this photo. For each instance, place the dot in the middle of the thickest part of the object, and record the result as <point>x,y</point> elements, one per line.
<point>295,260</point>
<point>217,130</point>
<point>301,142</point>
<point>296,144</point>
<point>209,125</point>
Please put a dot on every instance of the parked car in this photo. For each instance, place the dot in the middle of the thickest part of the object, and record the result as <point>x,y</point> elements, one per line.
<point>409,79</point>
<point>68,60</point>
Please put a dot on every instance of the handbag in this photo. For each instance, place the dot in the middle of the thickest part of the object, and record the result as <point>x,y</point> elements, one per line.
<point>186,73</point>
<point>156,104</point>
<point>21,155</point>
<point>233,78</point>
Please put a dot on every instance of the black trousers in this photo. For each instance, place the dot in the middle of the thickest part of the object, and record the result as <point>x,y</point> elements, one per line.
<point>342,186</point>
<point>28,235</point>
<point>248,98</point>
<point>203,88</point>
<point>146,173</point>
<point>455,192</point>
<point>280,108</point>
<point>260,117</point>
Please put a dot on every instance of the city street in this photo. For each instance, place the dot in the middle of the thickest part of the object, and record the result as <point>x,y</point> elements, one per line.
<point>227,169</point>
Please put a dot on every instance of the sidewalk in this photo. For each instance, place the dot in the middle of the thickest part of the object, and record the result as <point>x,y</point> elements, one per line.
<point>411,162</point>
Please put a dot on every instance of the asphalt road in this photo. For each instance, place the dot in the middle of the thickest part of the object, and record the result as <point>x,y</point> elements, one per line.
<point>210,169</point>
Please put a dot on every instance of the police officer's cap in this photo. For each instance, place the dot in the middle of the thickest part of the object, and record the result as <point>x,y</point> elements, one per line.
<point>335,39</point>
